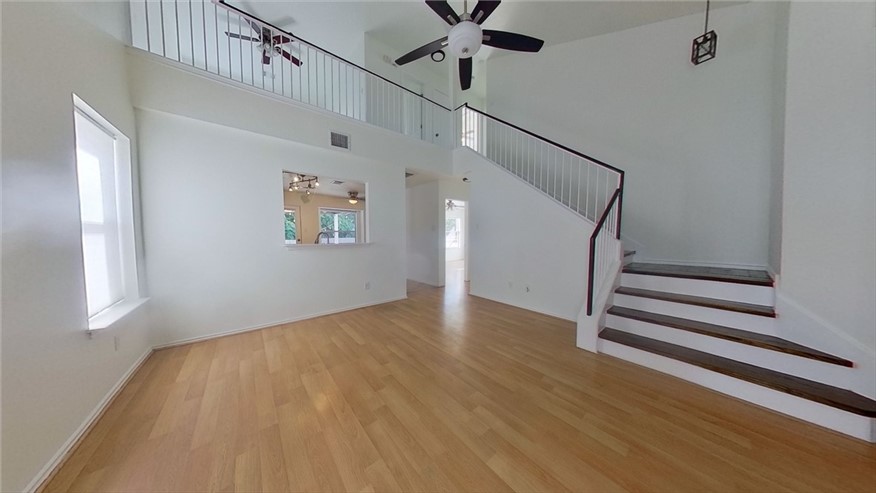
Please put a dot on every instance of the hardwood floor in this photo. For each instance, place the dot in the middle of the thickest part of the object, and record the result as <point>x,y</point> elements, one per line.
<point>440,392</point>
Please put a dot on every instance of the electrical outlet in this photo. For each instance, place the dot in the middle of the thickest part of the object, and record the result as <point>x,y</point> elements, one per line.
<point>367,285</point>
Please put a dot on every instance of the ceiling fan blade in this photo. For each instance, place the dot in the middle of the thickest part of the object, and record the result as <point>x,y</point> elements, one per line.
<point>465,73</point>
<point>238,36</point>
<point>444,10</point>
<point>483,10</point>
<point>291,58</point>
<point>281,40</point>
<point>422,51</point>
<point>511,41</point>
<point>266,58</point>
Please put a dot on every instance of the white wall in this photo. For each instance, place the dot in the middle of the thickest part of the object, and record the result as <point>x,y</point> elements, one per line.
<point>696,141</point>
<point>424,233</point>
<point>829,202</point>
<point>167,87</point>
<point>53,374</point>
<point>213,226</point>
<point>519,238</point>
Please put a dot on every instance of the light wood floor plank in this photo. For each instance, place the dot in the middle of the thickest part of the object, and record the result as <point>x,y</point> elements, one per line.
<point>440,392</point>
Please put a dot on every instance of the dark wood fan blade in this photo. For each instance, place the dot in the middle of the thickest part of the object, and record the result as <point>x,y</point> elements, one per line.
<point>281,40</point>
<point>245,38</point>
<point>465,73</point>
<point>444,10</point>
<point>291,58</point>
<point>511,41</point>
<point>422,51</point>
<point>266,58</point>
<point>483,10</point>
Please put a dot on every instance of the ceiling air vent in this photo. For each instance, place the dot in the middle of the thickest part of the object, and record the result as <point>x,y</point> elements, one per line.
<point>340,140</point>
<point>337,182</point>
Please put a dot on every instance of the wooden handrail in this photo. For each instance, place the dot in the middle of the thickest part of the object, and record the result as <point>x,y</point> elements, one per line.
<point>545,139</point>
<point>592,265</point>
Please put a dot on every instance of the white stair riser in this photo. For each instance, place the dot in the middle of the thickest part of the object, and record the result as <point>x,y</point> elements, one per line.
<point>727,318</point>
<point>628,259</point>
<point>818,371</point>
<point>745,293</point>
<point>835,419</point>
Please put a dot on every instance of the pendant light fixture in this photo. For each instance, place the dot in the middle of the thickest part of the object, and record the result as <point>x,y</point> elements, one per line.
<point>705,46</point>
<point>354,197</point>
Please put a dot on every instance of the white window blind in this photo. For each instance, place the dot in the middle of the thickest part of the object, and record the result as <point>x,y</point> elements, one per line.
<point>98,208</point>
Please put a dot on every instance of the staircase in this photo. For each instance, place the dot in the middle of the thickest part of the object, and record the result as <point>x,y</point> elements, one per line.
<point>716,327</point>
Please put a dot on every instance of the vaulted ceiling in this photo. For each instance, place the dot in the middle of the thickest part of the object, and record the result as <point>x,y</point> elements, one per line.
<point>407,24</point>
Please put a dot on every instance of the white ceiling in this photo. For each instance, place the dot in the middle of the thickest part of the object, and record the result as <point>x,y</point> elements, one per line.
<point>408,24</point>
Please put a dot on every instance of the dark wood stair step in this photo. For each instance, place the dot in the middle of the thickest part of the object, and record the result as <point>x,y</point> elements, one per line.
<point>720,274</point>
<point>800,387</point>
<point>733,306</point>
<point>736,335</point>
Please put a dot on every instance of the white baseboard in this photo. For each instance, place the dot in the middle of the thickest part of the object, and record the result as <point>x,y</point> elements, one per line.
<point>216,335</point>
<point>69,446</point>
<point>504,302</point>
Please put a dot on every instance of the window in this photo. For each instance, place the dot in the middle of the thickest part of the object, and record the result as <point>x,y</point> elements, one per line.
<point>291,227</point>
<point>341,225</point>
<point>106,212</point>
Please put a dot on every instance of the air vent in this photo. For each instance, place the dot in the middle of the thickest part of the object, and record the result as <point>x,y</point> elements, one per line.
<point>337,182</point>
<point>340,140</point>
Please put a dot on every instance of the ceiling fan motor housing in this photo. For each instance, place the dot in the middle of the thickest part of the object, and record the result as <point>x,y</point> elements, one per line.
<point>464,39</point>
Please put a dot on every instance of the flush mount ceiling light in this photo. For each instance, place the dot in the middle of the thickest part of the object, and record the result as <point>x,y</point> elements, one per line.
<point>354,197</point>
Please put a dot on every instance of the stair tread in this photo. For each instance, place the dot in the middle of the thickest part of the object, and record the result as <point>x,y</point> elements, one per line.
<point>800,387</point>
<point>627,253</point>
<point>722,274</point>
<point>728,333</point>
<point>735,306</point>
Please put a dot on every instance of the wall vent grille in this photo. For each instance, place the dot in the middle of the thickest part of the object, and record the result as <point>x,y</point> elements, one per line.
<point>340,140</point>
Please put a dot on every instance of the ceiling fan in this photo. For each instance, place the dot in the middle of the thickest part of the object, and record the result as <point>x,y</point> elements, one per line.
<point>269,45</point>
<point>466,37</point>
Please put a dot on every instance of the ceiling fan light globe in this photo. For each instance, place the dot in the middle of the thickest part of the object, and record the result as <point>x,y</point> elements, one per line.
<point>464,39</point>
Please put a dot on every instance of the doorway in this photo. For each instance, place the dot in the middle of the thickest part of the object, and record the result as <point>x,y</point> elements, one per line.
<point>455,243</point>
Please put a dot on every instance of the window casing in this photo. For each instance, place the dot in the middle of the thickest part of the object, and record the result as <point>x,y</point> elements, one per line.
<point>342,226</point>
<point>103,172</point>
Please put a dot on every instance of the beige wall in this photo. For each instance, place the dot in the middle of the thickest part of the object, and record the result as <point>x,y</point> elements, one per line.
<point>308,214</point>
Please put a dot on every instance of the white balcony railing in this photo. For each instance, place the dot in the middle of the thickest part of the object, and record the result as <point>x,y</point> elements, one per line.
<point>219,38</point>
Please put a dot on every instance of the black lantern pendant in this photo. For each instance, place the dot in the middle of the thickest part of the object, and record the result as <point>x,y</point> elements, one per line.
<point>705,46</point>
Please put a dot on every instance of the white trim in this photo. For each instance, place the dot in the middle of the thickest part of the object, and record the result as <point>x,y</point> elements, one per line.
<point>496,300</point>
<point>305,246</point>
<point>824,324</point>
<point>61,456</point>
<point>835,419</point>
<point>217,335</point>
<point>106,319</point>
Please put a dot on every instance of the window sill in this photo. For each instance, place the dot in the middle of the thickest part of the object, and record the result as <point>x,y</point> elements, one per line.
<point>110,316</point>
<point>306,246</point>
